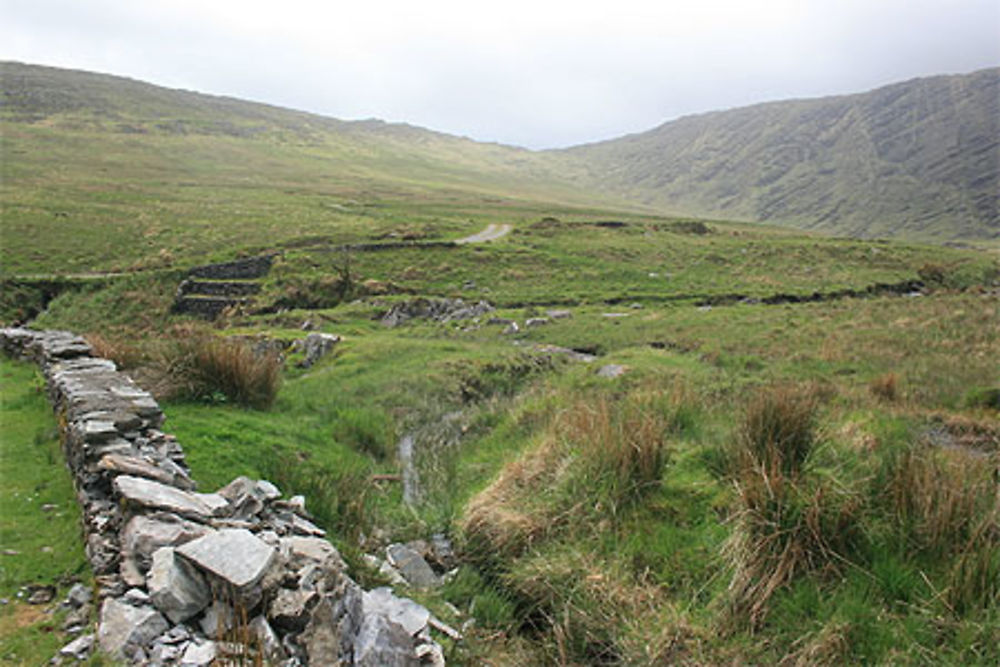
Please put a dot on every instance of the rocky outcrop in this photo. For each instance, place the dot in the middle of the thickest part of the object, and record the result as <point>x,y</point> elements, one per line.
<point>439,310</point>
<point>186,578</point>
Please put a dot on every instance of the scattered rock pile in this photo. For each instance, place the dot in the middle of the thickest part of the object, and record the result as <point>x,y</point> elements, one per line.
<point>187,578</point>
<point>439,310</point>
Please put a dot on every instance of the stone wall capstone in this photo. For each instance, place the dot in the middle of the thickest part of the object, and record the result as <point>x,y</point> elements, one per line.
<point>187,578</point>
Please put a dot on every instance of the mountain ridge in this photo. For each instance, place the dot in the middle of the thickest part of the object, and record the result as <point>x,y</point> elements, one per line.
<point>918,159</point>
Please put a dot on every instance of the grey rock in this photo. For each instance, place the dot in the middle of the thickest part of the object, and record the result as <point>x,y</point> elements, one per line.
<point>289,610</point>
<point>176,589</point>
<point>266,491</point>
<point>164,654</point>
<point>79,595</point>
<point>218,620</point>
<point>406,613</point>
<point>302,550</point>
<point>155,495</point>
<point>77,617</point>
<point>440,310</point>
<point>316,346</point>
<point>124,627</point>
<point>381,643</point>
<point>266,639</point>
<point>133,465</point>
<point>441,552</point>
<point>535,322</point>
<point>79,648</point>
<point>412,566</point>
<point>135,597</point>
<point>41,594</point>
<point>430,654</point>
<point>559,314</point>
<point>97,430</point>
<point>176,635</point>
<point>329,637</point>
<point>233,555</point>
<point>143,535</point>
<point>611,371</point>
<point>199,654</point>
<point>302,526</point>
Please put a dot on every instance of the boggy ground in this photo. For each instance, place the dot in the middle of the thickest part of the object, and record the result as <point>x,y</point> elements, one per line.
<point>803,483</point>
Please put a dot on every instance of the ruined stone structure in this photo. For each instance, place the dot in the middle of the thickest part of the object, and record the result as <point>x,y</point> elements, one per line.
<point>210,289</point>
<point>188,578</point>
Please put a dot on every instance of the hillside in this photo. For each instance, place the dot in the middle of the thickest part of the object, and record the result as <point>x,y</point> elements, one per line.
<point>113,173</point>
<point>919,159</point>
<point>116,174</point>
<point>611,436</point>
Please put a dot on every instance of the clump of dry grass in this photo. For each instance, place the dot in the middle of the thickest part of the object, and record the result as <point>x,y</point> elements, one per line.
<point>778,430</point>
<point>594,611</point>
<point>623,444</point>
<point>205,367</point>
<point>946,502</point>
<point>126,355</point>
<point>599,453</point>
<point>885,387</point>
<point>785,523</point>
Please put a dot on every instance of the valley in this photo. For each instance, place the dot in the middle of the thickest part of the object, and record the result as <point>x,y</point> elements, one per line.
<point>652,435</point>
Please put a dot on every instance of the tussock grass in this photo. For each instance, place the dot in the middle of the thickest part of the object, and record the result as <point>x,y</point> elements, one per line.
<point>202,367</point>
<point>778,431</point>
<point>594,458</point>
<point>885,387</point>
<point>592,609</point>
<point>125,354</point>
<point>786,522</point>
<point>945,503</point>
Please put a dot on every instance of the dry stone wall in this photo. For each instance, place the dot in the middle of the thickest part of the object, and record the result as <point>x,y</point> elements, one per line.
<point>186,578</point>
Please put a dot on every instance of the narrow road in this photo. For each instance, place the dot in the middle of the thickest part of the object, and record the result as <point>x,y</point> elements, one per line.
<point>491,233</point>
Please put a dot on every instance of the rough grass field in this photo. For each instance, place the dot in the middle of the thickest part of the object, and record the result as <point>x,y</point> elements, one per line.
<point>796,465</point>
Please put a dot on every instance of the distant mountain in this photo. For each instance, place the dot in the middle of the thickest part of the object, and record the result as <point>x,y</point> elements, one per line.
<point>919,159</point>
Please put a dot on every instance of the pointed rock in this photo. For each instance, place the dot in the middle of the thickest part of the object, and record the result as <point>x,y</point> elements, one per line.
<point>124,627</point>
<point>176,588</point>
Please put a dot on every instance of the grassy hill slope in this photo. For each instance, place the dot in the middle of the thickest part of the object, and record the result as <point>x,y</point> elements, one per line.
<point>919,159</point>
<point>113,173</point>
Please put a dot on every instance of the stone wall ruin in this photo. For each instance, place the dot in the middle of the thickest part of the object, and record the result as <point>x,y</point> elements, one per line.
<point>186,578</point>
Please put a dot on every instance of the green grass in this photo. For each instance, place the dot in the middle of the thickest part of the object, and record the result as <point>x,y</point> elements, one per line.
<point>39,517</point>
<point>611,500</point>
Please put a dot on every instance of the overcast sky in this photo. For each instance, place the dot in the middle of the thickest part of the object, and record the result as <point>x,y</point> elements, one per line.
<point>525,72</point>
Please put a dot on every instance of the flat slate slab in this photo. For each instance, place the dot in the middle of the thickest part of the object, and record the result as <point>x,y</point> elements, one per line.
<point>233,555</point>
<point>148,493</point>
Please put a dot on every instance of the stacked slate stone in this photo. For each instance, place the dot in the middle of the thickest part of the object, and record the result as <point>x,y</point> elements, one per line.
<point>188,578</point>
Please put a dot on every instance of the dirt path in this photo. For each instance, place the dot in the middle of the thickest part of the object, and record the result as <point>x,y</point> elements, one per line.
<point>491,233</point>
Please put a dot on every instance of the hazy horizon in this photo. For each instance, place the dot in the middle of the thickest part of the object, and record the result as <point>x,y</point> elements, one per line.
<point>537,75</point>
